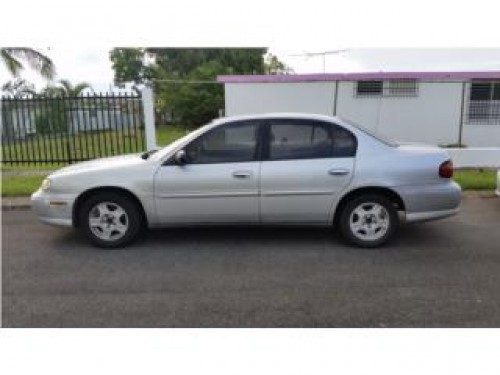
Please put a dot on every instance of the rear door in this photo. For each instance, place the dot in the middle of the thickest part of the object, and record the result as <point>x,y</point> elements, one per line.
<point>306,164</point>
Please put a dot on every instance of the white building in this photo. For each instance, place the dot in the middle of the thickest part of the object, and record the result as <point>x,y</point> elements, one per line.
<point>434,107</point>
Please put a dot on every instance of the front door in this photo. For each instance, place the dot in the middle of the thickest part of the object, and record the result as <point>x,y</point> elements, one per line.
<point>218,183</point>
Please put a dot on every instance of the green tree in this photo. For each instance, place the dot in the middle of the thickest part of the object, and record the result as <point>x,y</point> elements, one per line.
<point>180,62</point>
<point>128,64</point>
<point>195,100</point>
<point>185,78</point>
<point>141,65</point>
<point>53,120</point>
<point>14,57</point>
<point>274,66</point>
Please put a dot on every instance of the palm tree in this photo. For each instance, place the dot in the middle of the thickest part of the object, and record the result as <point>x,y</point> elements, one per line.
<point>19,88</point>
<point>12,58</point>
<point>66,88</point>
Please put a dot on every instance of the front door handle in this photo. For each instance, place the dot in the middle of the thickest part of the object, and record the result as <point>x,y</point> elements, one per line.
<point>242,174</point>
<point>338,172</point>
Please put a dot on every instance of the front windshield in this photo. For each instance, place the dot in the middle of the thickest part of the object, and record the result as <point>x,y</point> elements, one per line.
<point>371,133</point>
<point>172,146</point>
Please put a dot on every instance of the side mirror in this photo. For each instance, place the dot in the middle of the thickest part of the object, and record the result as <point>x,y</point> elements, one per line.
<point>180,157</point>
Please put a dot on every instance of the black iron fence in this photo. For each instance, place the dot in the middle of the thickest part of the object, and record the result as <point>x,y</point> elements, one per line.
<point>61,130</point>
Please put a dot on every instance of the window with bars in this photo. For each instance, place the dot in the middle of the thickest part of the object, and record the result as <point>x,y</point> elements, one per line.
<point>402,87</point>
<point>484,103</point>
<point>390,88</point>
<point>369,88</point>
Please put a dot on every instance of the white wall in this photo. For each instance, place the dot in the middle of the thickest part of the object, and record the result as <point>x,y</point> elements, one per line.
<point>432,116</point>
<point>475,157</point>
<point>474,135</point>
<point>253,98</point>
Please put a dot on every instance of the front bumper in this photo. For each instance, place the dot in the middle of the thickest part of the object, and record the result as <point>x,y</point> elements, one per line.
<point>53,209</point>
<point>430,201</point>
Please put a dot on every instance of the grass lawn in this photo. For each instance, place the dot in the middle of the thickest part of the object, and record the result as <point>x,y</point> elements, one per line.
<point>476,179</point>
<point>29,167</point>
<point>169,133</point>
<point>17,186</point>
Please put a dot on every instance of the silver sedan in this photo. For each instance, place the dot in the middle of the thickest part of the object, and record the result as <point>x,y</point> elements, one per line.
<point>276,169</point>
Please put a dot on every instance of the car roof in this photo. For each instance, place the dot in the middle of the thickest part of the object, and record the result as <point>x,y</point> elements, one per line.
<point>357,129</point>
<point>276,115</point>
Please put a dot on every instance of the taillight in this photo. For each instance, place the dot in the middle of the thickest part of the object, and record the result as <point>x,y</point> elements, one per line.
<point>446,169</point>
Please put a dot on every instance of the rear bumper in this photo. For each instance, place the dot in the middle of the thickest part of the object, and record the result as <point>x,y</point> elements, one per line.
<point>430,215</point>
<point>431,201</point>
<point>53,209</point>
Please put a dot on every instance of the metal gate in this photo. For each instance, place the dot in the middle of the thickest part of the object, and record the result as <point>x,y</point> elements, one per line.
<point>62,130</point>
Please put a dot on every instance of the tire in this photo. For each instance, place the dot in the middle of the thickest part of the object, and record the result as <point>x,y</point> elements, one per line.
<point>368,221</point>
<point>110,220</point>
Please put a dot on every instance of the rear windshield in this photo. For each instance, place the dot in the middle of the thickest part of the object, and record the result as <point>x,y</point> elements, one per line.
<point>371,133</point>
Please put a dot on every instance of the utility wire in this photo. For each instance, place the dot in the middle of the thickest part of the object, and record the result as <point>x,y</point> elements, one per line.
<point>184,81</point>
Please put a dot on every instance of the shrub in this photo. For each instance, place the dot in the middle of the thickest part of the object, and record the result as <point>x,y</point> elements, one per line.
<point>52,120</point>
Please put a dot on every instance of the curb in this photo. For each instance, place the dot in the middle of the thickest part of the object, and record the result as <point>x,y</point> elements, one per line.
<point>16,207</point>
<point>24,203</point>
<point>27,173</point>
<point>18,203</point>
<point>479,194</point>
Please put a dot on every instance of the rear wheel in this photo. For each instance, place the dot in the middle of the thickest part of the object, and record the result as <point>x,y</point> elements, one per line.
<point>368,221</point>
<point>110,220</point>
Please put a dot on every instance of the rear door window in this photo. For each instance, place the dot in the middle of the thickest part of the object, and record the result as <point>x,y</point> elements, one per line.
<point>301,139</point>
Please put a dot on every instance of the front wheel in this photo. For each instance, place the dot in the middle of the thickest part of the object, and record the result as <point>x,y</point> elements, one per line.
<point>368,221</point>
<point>110,220</point>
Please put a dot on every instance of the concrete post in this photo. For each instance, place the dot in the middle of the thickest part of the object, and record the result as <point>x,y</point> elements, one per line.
<point>462,115</point>
<point>149,117</point>
<point>336,98</point>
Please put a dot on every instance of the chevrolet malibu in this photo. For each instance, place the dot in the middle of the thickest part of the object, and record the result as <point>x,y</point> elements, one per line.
<point>274,169</point>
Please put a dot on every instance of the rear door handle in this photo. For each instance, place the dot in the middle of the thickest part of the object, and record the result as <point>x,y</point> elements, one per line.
<point>338,172</point>
<point>242,174</point>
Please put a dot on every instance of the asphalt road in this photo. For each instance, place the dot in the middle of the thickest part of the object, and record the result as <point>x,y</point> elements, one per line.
<point>440,274</point>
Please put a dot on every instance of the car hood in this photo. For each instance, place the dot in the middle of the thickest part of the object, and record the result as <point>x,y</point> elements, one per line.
<point>101,164</point>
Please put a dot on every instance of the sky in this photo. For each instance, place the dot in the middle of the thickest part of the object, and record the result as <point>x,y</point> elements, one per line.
<point>442,36</point>
<point>92,64</point>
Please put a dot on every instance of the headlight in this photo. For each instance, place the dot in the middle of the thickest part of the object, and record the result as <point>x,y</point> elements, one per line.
<point>46,184</point>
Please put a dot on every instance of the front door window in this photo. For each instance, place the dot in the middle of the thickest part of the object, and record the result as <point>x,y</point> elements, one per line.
<point>232,143</point>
